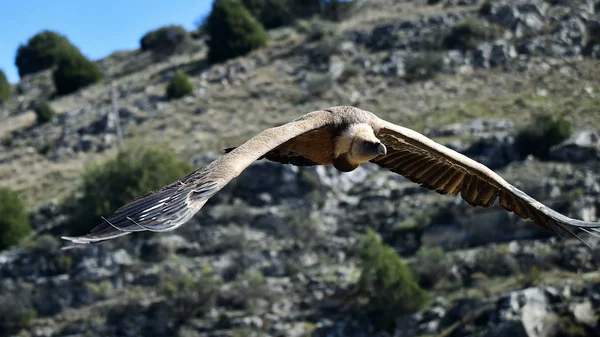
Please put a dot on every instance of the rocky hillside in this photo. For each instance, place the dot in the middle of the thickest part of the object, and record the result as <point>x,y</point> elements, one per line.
<point>276,252</point>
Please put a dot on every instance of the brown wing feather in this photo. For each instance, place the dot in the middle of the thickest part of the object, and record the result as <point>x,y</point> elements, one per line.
<point>446,171</point>
<point>312,148</point>
<point>175,204</point>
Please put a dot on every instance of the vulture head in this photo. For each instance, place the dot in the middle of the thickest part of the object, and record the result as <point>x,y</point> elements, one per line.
<point>355,145</point>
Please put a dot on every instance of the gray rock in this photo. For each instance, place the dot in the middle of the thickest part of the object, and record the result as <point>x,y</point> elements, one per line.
<point>525,313</point>
<point>493,151</point>
<point>584,313</point>
<point>523,18</point>
<point>581,147</point>
<point>477,126</point>
<point>493,54</point>
<point>393,65</point>
<point>122,258</point>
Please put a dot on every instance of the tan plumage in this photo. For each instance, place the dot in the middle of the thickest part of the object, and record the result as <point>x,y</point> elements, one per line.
<point>345,137</point>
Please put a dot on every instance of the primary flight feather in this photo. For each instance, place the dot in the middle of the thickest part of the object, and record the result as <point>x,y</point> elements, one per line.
<point>344,137</point>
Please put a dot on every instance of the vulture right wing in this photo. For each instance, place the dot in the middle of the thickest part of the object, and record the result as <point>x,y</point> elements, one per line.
<point>446,171</point>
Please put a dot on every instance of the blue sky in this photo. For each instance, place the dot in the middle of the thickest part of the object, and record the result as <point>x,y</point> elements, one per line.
<point>97,27</point>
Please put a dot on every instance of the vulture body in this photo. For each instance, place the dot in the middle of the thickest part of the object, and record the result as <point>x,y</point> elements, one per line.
<point>344,137</point>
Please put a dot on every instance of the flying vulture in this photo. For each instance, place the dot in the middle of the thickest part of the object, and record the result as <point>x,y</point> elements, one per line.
<point>345,137</point>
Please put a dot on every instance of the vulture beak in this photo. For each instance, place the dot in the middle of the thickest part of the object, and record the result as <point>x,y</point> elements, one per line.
<point>381,150</point>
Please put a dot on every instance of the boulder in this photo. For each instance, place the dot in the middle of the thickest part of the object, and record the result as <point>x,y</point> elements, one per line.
<point>581,147</point>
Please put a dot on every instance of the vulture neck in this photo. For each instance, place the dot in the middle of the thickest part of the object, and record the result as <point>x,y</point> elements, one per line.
<point>344,163</point>
<point>343,157</point>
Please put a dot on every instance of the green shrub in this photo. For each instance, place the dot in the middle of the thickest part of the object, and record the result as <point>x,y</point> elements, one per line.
<point>431,266</point>
<point>317,84</point>
<point>74,71</point>
<point>44,112</point>
<point>350,70</point>
<point>232,31</point>
<point>468,34</point>
<point>485,8</point>
<point>179,86</point>
<point>252,291</point>
<point>423,66</point>
<point>316,29</point>
<point>387,282</point>
<point>325,48</point>
<point>5,89</point>
<point>189,296</point>
<point>336,10</point>
<point>41,52</point>
<point>270,13</point>
<point>14,221</point>
<point>136,170</point>
<point>166,40</point>
<point>541,134</point>
<point>16,313</point>
<point>306,8</point>
<point>593,33</point>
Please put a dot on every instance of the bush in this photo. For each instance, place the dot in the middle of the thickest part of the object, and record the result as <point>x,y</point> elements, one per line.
<point>189,296</point>
<point>5,90</point>
<point>337,10</point>
<point>135,171</point>
<point>270,13</point>
<point>179,86</point>
<point>232,31</point>
<point>16,313</point>
<point>541,134</point>
<point>387,281</point>
<point>468,34</point>
<point>14,222</point>
<point>431,266</point>
<point>166,40</point>
<point>251,293</point>
<point>328,46</point>
<point>485,8</point>
<point>41,52</point>
<point>44,112</point>
<point>593,33</point>
<point>316,29</point>
<point>306,8</point>
<point>74,72</point>
<point>318,83</point>
<point>423,66</point>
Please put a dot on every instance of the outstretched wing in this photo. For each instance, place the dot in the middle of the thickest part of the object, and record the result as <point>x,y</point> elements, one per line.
<point>176,203</point>
<point>446,171</point>
<point>309,149</point>
<point>283,157</point>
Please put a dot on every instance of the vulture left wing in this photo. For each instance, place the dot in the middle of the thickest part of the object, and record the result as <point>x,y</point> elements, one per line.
<point>446,171</point>
<point>176,203</point>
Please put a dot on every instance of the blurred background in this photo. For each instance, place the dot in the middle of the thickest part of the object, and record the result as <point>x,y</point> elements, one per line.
<point>101,102</point>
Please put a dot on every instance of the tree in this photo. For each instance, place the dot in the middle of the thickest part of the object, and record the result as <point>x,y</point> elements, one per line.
<point>387,282</point>
<point>41,52</point>
<point>232,31</point>
<point>14,222</point>
<point>166,40</point>
<point>5,90</point>
<point>74,71</point>
<point>271,13</point>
